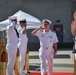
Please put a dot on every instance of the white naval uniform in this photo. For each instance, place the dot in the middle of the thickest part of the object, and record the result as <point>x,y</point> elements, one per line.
<point>11,47</point>
<point>47,39</point>
<point>22,45</point>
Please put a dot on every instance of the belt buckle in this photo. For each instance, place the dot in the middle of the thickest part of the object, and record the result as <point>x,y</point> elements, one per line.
<point>46,48</point>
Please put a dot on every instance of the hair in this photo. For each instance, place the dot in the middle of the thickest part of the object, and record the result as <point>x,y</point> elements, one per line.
<point>23,21</point>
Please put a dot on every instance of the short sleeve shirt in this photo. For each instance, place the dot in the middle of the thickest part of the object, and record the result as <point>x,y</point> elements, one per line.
<point>47,39</point>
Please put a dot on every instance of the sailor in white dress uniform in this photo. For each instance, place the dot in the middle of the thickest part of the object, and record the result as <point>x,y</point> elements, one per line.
<point>22,45</point>
<point>12,41</point>
<point>48,46</point>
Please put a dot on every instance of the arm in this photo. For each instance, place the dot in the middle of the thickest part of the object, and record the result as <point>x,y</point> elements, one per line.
<point>21,30</point>
<point>24,30</point>
<point>36,30</point>
<point>55,43</point>
<point>55,48</point>
<point>72,28</point>
<point>10,27</point>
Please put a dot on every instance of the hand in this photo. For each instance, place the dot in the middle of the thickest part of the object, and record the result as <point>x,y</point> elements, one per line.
<point>40,26</point>
<point>23,28</point>
<point>24,31</point>
<point>14,23</point>
<point>55,52</point>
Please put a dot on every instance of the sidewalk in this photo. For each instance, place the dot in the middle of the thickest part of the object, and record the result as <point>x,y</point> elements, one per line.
<point>63,61</point>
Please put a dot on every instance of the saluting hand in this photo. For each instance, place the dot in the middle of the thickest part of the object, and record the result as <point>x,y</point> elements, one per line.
<point>24,30</point>
<point>41,26</point>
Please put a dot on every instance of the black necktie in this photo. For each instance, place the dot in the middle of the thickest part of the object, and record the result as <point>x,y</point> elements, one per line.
<point>17,32</point>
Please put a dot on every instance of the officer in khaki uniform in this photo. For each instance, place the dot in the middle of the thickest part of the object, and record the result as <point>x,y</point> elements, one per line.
<point>48,45</point>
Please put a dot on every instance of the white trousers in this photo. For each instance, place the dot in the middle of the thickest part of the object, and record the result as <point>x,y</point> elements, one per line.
<point>22,59</point>
<point>11,61</point>
<point>43,56</point>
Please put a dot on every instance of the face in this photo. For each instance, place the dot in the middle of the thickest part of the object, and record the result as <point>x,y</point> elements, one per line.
<point>75,15</point>
<point>46,26</point>
<point>14,20</point>
<point>23,24</point>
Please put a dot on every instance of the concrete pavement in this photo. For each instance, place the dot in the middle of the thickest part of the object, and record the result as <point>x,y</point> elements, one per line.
<point>63,61</point>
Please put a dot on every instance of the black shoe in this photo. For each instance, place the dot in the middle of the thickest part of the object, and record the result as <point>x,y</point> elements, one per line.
<point>23,73</point>
<point>28,72</point>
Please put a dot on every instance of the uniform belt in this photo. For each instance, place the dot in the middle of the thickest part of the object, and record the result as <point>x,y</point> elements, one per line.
<point>45,48</point>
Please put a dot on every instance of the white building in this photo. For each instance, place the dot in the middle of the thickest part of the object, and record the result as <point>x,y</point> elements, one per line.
<point>60,12</point>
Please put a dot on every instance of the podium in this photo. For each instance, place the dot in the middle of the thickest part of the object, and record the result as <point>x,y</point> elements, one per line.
<point>4,58</point>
